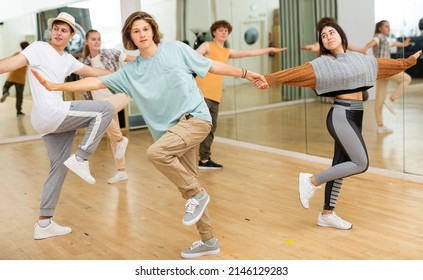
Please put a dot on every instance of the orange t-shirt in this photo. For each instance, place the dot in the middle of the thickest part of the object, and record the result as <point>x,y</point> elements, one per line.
<point>211,85</point>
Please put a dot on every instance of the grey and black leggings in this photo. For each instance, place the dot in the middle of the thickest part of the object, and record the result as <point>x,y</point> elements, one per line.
<point>344,123</point>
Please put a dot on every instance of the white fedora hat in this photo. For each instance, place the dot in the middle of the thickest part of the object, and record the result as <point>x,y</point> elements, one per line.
<point>65,17</point>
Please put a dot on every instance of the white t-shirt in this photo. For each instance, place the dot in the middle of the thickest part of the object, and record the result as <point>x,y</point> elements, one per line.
<point>49,109</point>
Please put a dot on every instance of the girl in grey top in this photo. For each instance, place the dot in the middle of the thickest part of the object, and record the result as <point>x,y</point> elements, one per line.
<point>344,75</point>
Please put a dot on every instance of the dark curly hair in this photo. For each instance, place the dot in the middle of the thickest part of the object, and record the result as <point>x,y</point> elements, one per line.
<point>218,24</point>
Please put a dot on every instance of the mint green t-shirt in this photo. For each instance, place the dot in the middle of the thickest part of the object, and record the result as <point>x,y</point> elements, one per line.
<point>163,87</point>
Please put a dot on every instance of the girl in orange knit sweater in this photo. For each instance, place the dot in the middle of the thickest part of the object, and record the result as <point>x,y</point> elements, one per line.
<point>344,75</point>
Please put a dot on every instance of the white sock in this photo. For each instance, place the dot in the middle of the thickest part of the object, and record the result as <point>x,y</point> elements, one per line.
<point>44,223</point>
<point>79,159</point>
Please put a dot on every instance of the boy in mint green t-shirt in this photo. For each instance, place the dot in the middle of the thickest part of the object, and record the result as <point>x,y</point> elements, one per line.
<point>162,85</point>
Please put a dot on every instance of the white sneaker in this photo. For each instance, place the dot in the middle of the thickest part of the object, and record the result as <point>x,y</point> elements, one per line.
<point>306,189</point>
<point>119,176</point>
<point>82,169</point>
<point>51,230</point>
<point>121,148</point>
<point>332,220</point>
<point>390,105</point>
<point>384,129</point>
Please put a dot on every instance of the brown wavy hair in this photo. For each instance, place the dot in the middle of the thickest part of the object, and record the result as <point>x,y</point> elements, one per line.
<point>126,29</point>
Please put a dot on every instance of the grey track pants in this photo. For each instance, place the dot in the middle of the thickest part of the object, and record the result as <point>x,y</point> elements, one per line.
<point>94,115</point>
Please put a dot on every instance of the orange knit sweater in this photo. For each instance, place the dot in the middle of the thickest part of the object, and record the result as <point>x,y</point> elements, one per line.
<point>303,75</point>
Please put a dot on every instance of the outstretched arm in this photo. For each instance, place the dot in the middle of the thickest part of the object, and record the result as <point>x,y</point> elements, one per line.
<point>315,47</point>
<point>12,63</point>
<point>88,71</point>
<point>224,69</point>
<point>300,76</point>
<point>404,44</point>
<point>304,76</point>
<point>388,67</point>
<point>369,45</point>
<point>86,84</point>
<point>254,52</point>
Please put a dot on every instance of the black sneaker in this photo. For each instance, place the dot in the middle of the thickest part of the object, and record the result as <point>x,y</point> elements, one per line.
<point>20,114</point>
<point>3,98</point>
<point>209,165</point>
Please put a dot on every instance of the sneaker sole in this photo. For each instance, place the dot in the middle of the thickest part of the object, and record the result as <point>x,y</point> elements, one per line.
<point>116,181</point>
<point>44,236</point>
<point>196,255</point>
<point>192,222</point>
<point>209,168</point>
<point>327,226</point>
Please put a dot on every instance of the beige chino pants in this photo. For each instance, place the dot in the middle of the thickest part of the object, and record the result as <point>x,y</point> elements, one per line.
<point>174,155</point>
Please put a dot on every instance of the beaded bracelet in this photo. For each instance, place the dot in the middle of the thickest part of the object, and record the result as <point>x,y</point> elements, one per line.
<point>244,73</point>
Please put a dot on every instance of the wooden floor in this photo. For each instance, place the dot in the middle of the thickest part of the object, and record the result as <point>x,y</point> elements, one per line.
<point>254,208</point>
<point>11,126</point>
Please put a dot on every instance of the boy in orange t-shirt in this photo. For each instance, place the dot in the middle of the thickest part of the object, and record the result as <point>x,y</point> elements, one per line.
<point>211,85</point>
<point>16,78</point>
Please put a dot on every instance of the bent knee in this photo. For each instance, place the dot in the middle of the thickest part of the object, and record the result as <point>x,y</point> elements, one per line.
<point>109,110</point>
<point>153,154</point>
<point>363,166</point>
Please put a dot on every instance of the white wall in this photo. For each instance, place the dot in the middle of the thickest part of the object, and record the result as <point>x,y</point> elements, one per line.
<point>164,12</point>
<point>107,20</point>
<point>403,19</point>
<point>17,8</point>
<point>357,18</point>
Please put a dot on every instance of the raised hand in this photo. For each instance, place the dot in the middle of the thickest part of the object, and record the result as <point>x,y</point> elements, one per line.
<point>417,54</point>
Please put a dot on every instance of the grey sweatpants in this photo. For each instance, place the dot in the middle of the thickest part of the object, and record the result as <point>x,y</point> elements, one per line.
<point>95,115</point>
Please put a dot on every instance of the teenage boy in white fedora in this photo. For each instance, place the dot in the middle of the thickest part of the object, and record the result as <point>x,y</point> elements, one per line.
<point>57,120</point>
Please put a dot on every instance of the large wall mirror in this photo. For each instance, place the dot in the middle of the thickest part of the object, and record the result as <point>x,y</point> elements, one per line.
<point>286,118</point>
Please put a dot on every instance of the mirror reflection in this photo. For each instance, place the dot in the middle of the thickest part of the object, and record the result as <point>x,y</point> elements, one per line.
<point>282,117</point>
